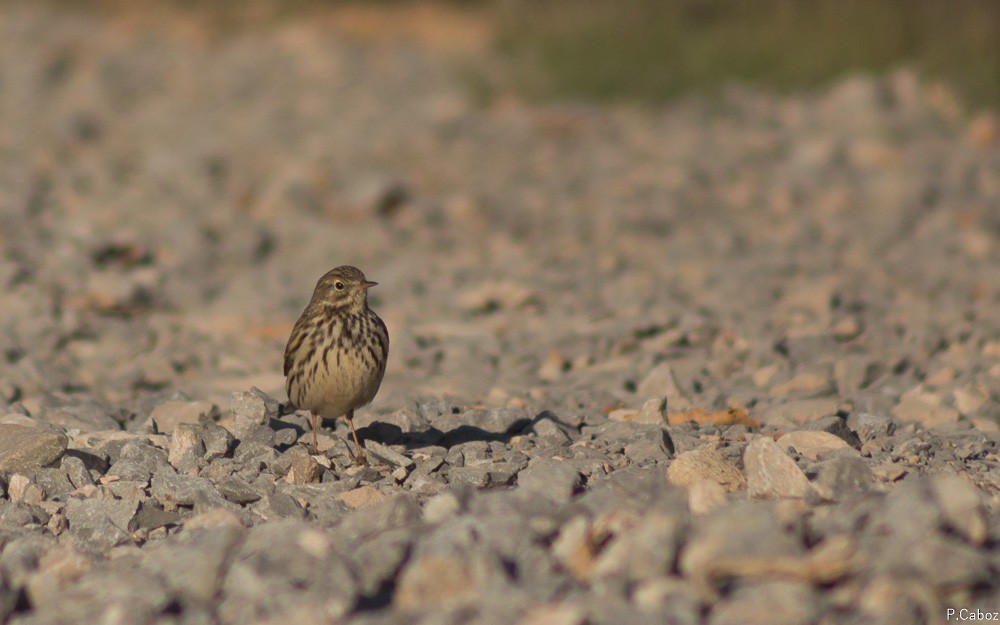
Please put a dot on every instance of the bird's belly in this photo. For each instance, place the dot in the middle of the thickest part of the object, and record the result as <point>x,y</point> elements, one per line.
<point>335,391</point>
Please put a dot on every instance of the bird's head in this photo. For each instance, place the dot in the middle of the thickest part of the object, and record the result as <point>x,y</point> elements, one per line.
<point>344,286</point>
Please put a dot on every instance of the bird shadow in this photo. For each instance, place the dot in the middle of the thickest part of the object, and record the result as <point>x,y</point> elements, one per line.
<point>392,434</point>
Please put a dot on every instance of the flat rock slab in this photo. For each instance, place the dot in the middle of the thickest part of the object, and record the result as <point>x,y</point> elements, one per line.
<point>24,448</point>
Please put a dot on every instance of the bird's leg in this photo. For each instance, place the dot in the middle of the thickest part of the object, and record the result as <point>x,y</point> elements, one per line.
<point>315,426</point>
<point>360,457</point>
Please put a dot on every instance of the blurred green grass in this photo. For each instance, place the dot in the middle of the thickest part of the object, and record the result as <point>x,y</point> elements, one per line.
<point>653,51</point>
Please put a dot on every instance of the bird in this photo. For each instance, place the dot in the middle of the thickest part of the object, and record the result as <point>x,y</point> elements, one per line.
<point>337,352</point>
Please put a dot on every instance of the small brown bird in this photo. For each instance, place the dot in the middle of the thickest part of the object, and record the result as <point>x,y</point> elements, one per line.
<point>336,354</point>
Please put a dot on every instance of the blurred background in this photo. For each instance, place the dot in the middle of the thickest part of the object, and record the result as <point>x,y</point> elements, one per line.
<point>645,50</point>
<point>554,196</point>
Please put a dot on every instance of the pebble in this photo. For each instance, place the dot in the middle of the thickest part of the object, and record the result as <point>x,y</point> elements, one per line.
<point>706,495</point>
<point>874,426</point>
<point>705,464</point>
<point>437,582</point>
<point>251,408</point>
<point>388,455</point>
<point>647,549</point>
<point>842,477</point>
<point>97,525</point>
<point>304,470</point>
<point>777,601</point>
<point>653,412</point>
<point>771,472</point>
<point>554,479</point>
<point>25,448</point>
<point>812,445</point>
<point>186,448</point>
<point>362,497</point>
<point>660,383</point>
<point>741,539</point>
<point>801,410</point>
<point>168,415</point>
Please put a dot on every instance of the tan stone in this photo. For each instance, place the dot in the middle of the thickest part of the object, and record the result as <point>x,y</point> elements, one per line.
<point>362,497</point>
<point>771,472</point>
<point>698,465</point>
<point>812,444</point>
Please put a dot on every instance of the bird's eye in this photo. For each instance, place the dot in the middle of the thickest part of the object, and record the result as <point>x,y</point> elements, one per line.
<point>338,285</point>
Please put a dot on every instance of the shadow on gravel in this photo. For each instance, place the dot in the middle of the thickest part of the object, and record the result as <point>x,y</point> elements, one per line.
<point>391,434</point>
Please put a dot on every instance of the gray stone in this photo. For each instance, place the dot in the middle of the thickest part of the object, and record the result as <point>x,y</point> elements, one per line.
<point>236,489</point>
<point>735,539</point>
<point>126,489</point>
<point>286,436</point>
<point>168,415</point>
<point>555,479</point>
<point>20,515</point>
<point>97,525</point>
<point>186,448</point>
<point>53,482</point>
<point>253,408</point>
<point>255,437</point>
<point>498,420</point>
<point>173,490</point>
<point>940,561</point>
<point>962,508</point>
<point>841,477</point>
<point>194,563</point>
<point>388,455</point>
<point>547,427</point>
<point>122,591</point>
<point>661,383</point>
<point>648,446</point>
<point>151,516</point>
<point>485,475</point>
<point>432,408</point>
<point>106,445</point>
<point>875,426</point>
<point>25,448</point>
<point>93,460</point>
<point>399,511</point>
<point>287,569</point>
<point>780,602</point>
<point>217,440</point>
<point>653,412</point>
<point>377,561</point>
<point>407,421</point>
<point>139,461</point>
<point>303,470</point>
<point>21,555</point>
<point>283,464</point>
<point>24,489</point>
<point>448,580</point>
<point>911,515</point>
<point>646,550</point>
<point>278,505</point>
<point>837,426</point>
<point>77,472</point>
<point>771,472</point>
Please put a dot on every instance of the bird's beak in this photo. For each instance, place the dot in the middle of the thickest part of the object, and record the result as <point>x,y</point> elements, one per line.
<point>367,284</point>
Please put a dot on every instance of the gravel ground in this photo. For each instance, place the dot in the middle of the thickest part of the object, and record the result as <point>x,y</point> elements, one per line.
<point>722,362</point>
